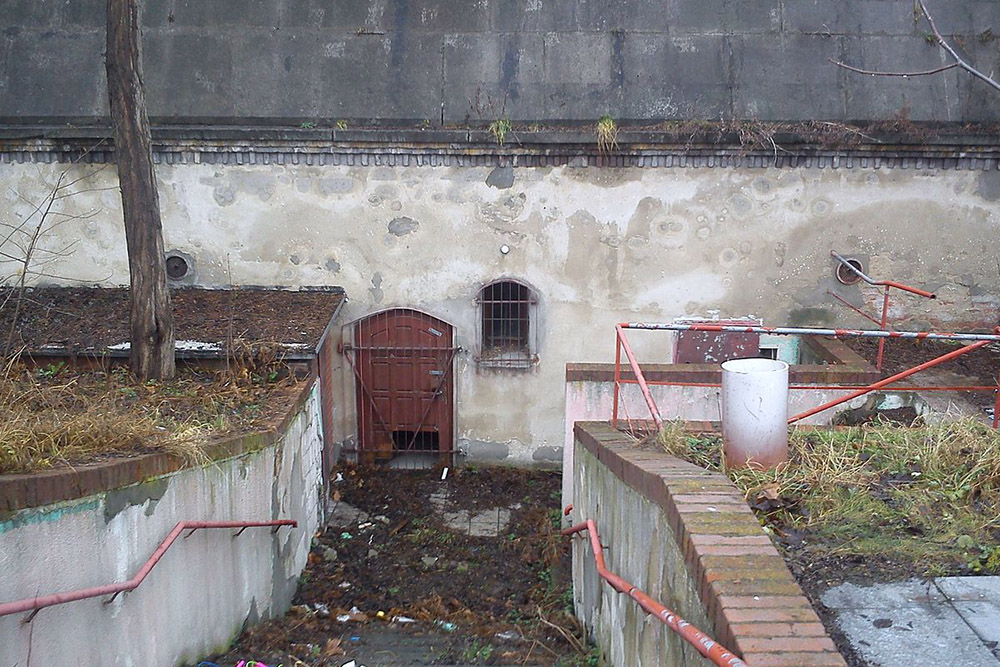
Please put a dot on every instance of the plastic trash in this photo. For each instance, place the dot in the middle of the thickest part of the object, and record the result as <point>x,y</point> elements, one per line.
<point>447,626</point>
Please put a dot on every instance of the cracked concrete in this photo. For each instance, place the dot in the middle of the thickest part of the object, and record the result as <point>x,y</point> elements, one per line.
<point>944,621</point>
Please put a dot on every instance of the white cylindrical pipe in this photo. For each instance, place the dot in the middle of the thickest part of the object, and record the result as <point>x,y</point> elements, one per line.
<point>755,412</point>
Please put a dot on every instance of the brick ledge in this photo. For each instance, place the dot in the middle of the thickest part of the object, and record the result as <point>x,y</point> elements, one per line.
<point>756,606</point>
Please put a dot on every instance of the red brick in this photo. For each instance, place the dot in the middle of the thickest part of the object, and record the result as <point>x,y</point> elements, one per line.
<point>778,629</point>
<point>731,540</point>
<point>713,508</point>
<point>721,497</point>
<point>824,659</point>
<point>785,644</point>
<point>765,601</point>
<point>727,550</point>
<point>754,587</point>
<point>790,615</point>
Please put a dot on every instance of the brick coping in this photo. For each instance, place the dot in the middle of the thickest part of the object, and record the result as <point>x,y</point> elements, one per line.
<point>755,605</point>
<point>25,491</point>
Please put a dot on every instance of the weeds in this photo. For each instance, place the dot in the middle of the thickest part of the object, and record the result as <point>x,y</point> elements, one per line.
<point>57,416</point>
<point>929,494</point>
<point>500,128</point>
<point>607,134</point>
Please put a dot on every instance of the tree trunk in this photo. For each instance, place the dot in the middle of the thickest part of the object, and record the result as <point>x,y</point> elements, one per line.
<point>152,331</point>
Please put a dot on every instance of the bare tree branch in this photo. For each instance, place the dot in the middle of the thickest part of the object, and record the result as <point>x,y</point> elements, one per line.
<point>905,75</point>
<point>959,61</point>
<point>947,47</point>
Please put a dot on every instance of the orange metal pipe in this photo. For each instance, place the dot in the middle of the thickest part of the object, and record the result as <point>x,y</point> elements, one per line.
<point>36,603</point>
<point>618,377</point>
<point>637,372</point>
<point>708,647</point>
<point>889,380</point>
<point>845,387</point>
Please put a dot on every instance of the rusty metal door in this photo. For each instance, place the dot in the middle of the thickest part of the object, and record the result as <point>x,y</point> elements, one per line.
<point>402,361</point>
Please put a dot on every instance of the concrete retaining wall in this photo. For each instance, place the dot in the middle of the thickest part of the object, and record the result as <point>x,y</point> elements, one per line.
<point>685,537</point>
<point>206,587</point>
<point>448,61</point>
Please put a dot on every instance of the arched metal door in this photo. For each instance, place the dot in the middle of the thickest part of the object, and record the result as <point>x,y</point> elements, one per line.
<point>403,363</point>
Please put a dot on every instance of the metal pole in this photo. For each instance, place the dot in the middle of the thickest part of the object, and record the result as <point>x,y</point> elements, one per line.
<point>40,602</point>
<point>889,380</point>
<point>653,410</point>
<point>705,645</point>
<point>887,283</point>
<point>996,404</point>
<point>808,331</point>
<point>618,377</point>
<point>882,325</point>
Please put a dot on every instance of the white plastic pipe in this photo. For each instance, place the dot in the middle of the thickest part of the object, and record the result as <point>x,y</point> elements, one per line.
<point>755,412</point>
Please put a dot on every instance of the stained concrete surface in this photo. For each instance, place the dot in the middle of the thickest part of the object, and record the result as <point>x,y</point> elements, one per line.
<point>944,621</point>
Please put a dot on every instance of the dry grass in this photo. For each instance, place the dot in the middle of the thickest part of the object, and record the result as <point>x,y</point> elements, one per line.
<point>55,416</point>
<point>607,134</point>
<point>931,494</point>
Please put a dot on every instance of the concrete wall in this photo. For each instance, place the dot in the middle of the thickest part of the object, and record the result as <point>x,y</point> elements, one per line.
<point>449,61</point>
<point>598,245</point>
<point>204,589</point>
<point>685,537</point>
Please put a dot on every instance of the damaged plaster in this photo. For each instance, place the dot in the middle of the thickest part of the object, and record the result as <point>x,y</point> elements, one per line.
<point>598,245</point>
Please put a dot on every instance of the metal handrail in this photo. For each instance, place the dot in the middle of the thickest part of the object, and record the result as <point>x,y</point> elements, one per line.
<point>977,340</point>
<point>36,604</point>
<point>708,647</point>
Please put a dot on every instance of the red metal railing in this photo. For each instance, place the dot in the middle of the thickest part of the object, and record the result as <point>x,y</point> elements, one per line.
<point>36,604</point>
<point>887,284</point>
<point>978,340</point>
<point>708,647</point>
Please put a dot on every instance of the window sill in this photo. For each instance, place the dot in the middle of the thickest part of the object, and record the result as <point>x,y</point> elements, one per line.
<point>508,361</point>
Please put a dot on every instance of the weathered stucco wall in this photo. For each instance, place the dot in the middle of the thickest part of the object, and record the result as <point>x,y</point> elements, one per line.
<point>449,61</point>
<point>599,246</point>
<point>204,589</point>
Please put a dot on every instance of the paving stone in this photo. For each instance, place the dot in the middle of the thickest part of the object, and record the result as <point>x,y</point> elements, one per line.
<point>970,588</point>
<point>983,618</point>
<point>884,596</point>
<point>932,634</point>
<point>913,622</point>
<point>344,515</point>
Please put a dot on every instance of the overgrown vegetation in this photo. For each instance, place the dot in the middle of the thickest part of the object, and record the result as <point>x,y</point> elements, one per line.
<point>500,128</point>
<point>607,134</point>
<point>928,495</point>
<point>54,415</point>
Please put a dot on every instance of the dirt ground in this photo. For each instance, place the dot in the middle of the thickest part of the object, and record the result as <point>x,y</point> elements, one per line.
<point>503,599</point>
<point>84,318</point>
<point>979,367</point>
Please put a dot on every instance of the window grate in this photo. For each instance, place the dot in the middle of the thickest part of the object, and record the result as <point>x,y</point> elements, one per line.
<point>506,325</point>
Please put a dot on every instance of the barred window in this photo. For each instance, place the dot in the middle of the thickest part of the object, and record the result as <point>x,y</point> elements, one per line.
<point>507,325</point>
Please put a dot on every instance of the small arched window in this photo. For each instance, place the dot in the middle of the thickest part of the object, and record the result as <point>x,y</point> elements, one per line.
<point>507,321</point>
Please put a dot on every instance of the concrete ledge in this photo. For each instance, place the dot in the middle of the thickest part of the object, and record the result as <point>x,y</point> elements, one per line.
<point>739,583</point>
<point>843,366</point>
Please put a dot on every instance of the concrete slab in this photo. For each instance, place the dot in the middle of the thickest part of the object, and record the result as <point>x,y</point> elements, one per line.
<point>882,596</point>
<point>344,515</point>
<point>946,621</point>
<point>984,619</point>
<point>933,634</point>
<point>970,588</point>
<point>487,523</point>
